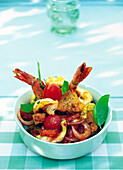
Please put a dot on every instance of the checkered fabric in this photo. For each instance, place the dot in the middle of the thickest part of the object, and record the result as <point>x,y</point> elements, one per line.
<point>15,155</point>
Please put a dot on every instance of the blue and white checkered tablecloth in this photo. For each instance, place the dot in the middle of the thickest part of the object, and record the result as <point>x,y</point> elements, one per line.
<point>15,155</point>
<point>25,38</point>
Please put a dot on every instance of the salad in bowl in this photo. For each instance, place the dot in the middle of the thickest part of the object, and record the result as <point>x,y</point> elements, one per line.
<point>62,113</point>
<point>59,111</point>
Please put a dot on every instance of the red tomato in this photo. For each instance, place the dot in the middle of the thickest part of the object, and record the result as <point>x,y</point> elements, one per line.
<point>52,91</point>
<point>52,122</point>
<point>49,133</point>
<point>27,116</point>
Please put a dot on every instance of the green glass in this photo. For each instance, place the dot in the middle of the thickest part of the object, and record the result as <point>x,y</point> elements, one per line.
<point>63,15</point>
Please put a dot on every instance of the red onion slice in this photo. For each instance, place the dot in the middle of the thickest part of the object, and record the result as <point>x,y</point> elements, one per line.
<point>87,131</point>
<point>75,123</point>
<point>74,139</point>
<point>26,123</point>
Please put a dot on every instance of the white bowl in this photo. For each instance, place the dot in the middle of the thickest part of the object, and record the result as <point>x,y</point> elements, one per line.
<point>58,150</point>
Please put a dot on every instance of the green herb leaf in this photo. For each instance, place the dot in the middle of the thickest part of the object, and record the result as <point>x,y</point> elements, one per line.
<point>39,74</point>
<point>100,110</point>
<point>27,107</point>
<point>65,87</point>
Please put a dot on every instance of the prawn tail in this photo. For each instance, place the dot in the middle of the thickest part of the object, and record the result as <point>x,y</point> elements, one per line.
<point>81,73</point>
<point>23,76</point>
<point>85,73</point>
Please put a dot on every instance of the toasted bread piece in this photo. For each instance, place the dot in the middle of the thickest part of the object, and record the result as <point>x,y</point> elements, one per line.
<point>70,103</point>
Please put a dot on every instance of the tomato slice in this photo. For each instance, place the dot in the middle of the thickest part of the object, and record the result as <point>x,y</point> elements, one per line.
<point>52,91</point>
<point>52,122</point>
<point>49,133</point>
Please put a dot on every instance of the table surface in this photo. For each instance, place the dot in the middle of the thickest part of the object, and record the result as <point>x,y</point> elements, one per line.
<point>25,38</point>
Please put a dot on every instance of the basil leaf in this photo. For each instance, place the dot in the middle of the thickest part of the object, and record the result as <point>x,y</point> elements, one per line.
<point>100,110</point>
<point>65,87</point>
<point>27,107</point>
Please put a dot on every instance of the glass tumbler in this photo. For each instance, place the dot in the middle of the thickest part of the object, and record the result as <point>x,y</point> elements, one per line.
<point>63,15</point>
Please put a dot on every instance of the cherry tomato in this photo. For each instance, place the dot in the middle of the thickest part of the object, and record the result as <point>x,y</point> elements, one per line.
<point>52,91</point>
<point>49,133</point>
<point>52,122</point>
<point>25,115</point>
